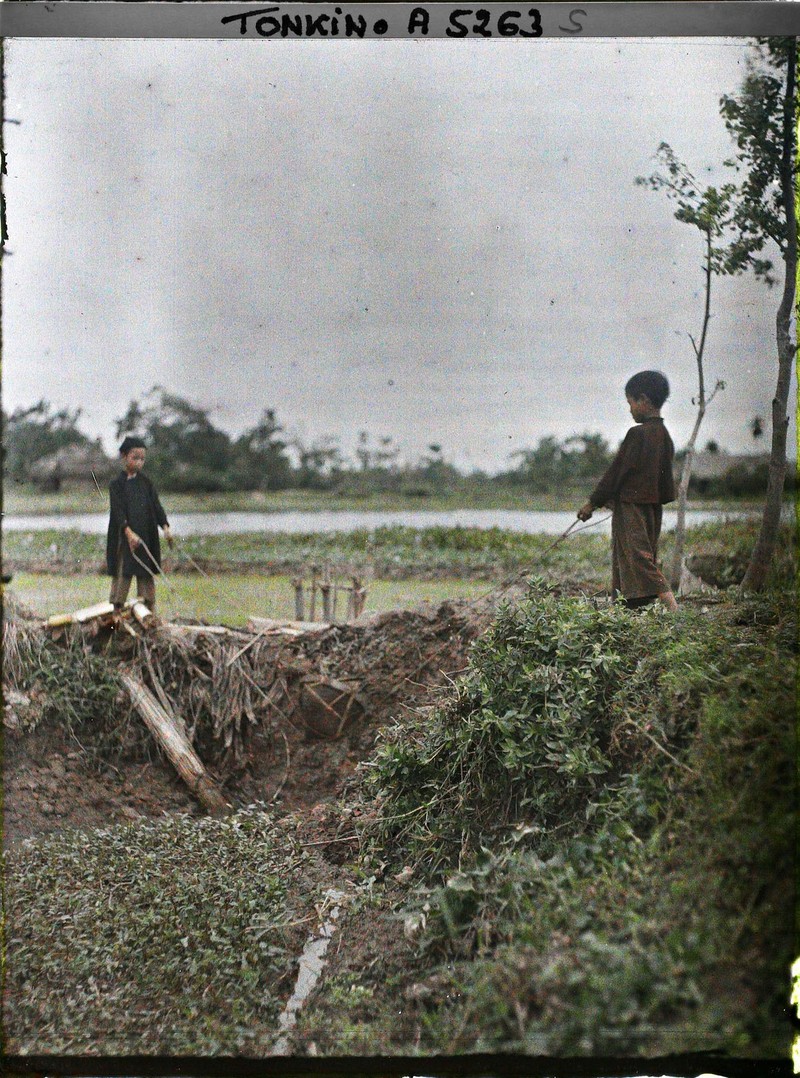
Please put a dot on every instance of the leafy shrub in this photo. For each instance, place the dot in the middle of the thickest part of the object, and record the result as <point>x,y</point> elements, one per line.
<point>540,729</point>
<point>631,891</point>
<point>74,688</point>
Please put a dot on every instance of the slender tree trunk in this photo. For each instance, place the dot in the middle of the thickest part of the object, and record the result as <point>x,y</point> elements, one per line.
<point>686,474</point>
<point>756,576</point>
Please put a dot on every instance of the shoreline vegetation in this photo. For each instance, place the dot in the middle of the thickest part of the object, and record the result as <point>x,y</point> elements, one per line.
<point>23,499</point>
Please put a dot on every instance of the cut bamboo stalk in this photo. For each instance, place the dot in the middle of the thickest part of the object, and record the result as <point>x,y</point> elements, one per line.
<point>181,754</point>
<point>262,625</point>
<point>209,630</point>
<point>99,610</point>
<point>141,612</point>
<point>87,613</point>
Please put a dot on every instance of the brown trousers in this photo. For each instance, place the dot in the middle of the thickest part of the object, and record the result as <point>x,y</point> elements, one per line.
<point>635,530</point>
<point>145,590</point>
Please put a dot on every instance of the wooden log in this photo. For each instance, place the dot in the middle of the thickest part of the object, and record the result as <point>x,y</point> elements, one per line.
<point>359,598</point>
<point>181,754</point>
<point>313,612</point>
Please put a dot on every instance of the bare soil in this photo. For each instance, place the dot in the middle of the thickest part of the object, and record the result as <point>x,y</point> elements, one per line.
<point>339,687</point>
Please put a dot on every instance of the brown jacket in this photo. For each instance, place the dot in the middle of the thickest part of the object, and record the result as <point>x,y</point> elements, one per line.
<point>642,469</point>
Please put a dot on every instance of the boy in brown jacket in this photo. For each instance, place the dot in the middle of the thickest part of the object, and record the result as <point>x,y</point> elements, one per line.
<point>636,485</point>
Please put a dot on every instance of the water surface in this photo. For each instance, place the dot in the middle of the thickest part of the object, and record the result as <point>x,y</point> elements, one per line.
<point>531,522</point>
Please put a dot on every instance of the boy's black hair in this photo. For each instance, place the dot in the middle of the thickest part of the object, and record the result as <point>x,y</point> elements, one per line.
<point>131,442</point>
<point>650,384</point>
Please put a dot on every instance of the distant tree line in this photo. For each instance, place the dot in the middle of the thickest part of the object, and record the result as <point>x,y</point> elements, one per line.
<point>189,453</point>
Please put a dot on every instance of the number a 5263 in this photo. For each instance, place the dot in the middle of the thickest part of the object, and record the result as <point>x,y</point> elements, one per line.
<point>466,22</point>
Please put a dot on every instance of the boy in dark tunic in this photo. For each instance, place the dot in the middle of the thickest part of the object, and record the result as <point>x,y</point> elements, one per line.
<point>636,485</point>
<point>132,547</point>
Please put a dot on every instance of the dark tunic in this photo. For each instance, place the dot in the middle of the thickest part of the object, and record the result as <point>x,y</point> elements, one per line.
<point>134,504</point>
<point>641,472</point>
<point>636,485</point>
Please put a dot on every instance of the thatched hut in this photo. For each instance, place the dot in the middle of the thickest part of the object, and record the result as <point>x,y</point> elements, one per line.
<point>72,463</point>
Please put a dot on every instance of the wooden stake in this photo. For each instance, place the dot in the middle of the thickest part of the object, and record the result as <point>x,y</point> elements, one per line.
<point>180,752</point>
<point>325,588</point>
<point>313,612</point>
<point>299,605</point>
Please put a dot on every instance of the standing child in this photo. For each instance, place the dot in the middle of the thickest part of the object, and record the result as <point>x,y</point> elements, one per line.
<point>132,547</point>
<point>636,485</point>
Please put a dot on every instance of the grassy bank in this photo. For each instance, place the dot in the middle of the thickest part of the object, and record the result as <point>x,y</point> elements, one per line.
<point>600,823</point>
<point>584,849</point>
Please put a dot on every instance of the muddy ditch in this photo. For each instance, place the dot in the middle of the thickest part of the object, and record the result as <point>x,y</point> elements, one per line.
<point>277,718</point>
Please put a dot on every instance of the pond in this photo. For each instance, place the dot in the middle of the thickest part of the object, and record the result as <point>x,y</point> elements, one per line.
<point>310,522</point>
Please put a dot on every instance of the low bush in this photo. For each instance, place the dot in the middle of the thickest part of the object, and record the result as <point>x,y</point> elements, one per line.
<point>602,817</point>
<point>554,724</point>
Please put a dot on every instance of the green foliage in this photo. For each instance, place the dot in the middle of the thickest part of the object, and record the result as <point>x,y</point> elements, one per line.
<point>541,729</point>
<point>626,888</point>
<point>741,481</point>
<point>185,450</point>
<point>552,464</point>
<point>79,690</point>
<point>755,120</point>
<point>741,216</point>
<point>174,938</point>
<point>712,210</point>
<point>29,434</point>
<point>259,458</point>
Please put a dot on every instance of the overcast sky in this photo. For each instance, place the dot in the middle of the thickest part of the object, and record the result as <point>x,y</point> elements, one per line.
<point>439,241</point>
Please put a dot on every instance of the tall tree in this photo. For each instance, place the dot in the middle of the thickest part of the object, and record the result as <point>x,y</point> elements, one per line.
<point>739,220</point>
<point>761,119</point>
<point>712,210</point>
<point>260,461</point>
<point>184,447</point>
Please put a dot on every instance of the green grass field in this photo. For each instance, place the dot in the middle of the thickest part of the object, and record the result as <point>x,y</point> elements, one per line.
<point>230,598</point>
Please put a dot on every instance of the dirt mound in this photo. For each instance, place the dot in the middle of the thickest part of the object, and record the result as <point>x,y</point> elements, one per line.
<point>276,718</point>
